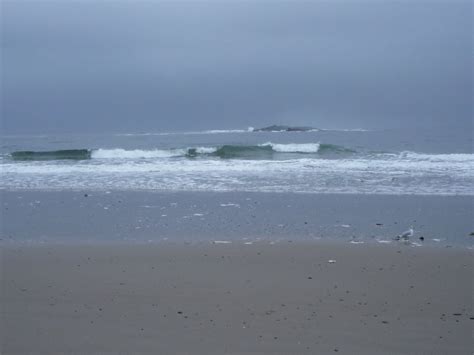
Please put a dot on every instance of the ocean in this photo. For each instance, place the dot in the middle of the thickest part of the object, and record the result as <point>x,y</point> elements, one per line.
<point>355,186</point>
<point>353,161</point>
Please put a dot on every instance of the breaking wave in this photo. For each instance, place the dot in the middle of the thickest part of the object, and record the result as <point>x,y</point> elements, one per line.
<point>136,153</point>
<point>268,151</point>
<point>262,151</point>
<point>294,148</point>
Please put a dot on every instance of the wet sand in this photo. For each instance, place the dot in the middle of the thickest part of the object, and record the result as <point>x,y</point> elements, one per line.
<point>140,216</point>
<point>236,299</point>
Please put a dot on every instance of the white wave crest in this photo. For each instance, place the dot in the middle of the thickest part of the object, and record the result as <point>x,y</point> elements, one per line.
<point>211,131</point>
<point>136,154</point>
<point>205,150</point>
<point>293,147</point>
<point>216,131</point>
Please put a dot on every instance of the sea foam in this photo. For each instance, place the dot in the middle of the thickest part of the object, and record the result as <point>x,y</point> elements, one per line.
<point>293,147</point>
<point>136,153</point>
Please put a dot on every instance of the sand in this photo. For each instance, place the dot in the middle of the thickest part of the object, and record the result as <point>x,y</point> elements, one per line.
<point>285,298</point>
<point>139,216</point>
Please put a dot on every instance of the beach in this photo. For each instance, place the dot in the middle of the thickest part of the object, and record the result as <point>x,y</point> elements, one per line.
<point>125,216</point>
<point>236,243</point>
<point>243,177</point>
<point>94,272</point>
<point>236,298</point>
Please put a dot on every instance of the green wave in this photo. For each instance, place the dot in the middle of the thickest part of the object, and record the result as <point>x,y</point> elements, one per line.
<point>244,151</point>
<point>234,151</point>
<point>267,151</point>
<point>334,149</point>
<point>251,152</point>
<point>68,154</point>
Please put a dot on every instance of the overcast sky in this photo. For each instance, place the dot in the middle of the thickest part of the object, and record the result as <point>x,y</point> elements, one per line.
<point>123,66</point>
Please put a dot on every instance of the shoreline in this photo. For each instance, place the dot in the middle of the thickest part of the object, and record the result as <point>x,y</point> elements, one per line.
<point>244,243</point>
<point>138,217</point>
<point>198,191</point>
<point>230,298</point>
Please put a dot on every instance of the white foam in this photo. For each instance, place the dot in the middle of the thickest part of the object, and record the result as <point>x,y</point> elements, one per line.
<point>205,150</point>
<point>458,157</point>
<point>216,131</point>
<point>230,205</point>
<point>293,147</point>
<point>136,153</point>
<point>382,174</point>
<point>147,154</point>
<point>211,131</point>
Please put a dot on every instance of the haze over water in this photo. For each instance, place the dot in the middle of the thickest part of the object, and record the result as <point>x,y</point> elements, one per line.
<point>155,66</point>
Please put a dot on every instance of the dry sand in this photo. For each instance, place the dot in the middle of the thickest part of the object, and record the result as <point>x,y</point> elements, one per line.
<point>236,299</point>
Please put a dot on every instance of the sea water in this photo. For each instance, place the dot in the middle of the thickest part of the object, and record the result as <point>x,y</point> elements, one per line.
<point>356,161</point>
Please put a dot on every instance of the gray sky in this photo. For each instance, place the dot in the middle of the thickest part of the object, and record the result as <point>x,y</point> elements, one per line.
<point>122,66</point>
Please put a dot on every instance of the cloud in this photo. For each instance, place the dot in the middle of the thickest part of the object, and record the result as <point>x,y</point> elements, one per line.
<point>172,65</point>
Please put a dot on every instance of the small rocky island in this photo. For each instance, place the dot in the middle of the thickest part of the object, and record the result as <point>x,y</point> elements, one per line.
<point>282,128</point>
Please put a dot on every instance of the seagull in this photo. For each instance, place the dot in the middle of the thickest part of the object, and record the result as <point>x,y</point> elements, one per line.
<point>406,235</point>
